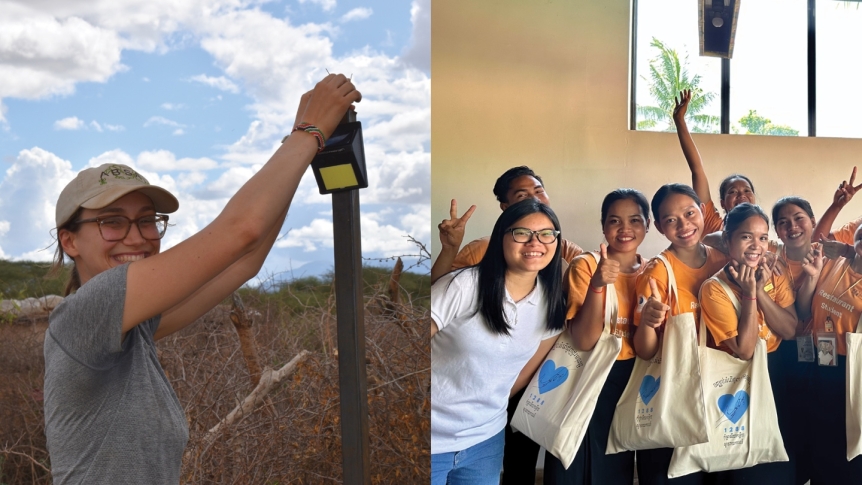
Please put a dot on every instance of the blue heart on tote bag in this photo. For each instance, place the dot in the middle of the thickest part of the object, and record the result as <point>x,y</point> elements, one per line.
<point>649,387</point>
<point>550,376</point>
<point>733,406</point>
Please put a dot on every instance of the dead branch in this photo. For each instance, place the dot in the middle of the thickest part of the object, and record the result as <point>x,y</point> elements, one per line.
<point>242,323</point>
<point>267,379</point>
<point>8,451</point>
<point>394,283</point>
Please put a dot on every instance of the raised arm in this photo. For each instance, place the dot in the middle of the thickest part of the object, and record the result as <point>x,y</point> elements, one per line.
<point>244,229</point>
<point>846,190</point>
<point>699,182</point>
<point>812,265</point>
<point>451,237</point>
<point>651,319</point>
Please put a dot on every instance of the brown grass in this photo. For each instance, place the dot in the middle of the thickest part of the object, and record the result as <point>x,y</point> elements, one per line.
<point>294,436</point>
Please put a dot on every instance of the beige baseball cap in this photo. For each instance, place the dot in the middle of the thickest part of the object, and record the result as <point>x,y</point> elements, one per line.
<point>97,187</point>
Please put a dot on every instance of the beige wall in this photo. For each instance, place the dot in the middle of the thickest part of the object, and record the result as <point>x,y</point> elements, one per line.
<point>545,83</point>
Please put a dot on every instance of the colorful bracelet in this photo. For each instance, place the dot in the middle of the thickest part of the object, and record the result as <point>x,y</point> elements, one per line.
<point>313,130</point>
<point>749,299</point>
<point>596,290</point>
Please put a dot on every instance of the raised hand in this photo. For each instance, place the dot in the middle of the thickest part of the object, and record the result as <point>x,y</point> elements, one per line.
<point>813,262</point>
<point>746,277</point>
<point>846,190</point>
<point>680,105</point>
<point>773,260</point>
<point>452,229</point>
<point>325,105</point>
<point>607,271</point>
<point>654,311</point>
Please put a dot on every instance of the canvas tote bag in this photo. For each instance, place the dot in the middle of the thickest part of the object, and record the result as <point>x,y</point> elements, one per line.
<point>662,404</point>
<point>740,411</point>
<point>559,401</point>
<point>853,388</point>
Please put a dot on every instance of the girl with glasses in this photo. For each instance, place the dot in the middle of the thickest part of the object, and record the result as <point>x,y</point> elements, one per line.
<point>492,325</point>
<point>110,412</point>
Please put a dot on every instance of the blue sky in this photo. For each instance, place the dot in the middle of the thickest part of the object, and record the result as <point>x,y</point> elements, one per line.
<point>196,94</point>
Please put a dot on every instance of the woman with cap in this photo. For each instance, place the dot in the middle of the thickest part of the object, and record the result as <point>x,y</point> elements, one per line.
<point>111,415</point>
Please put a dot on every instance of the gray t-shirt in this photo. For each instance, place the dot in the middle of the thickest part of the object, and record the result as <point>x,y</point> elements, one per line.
<point>111,416</point>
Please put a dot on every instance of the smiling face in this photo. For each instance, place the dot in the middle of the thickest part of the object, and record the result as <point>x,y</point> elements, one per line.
<point>525,187</point>
<point>738,191</point>
<point>92,254</point>
<point>625,226</point>
<point>680,220</point>
<point>749,242</point>
<point>794,226</point>
<point>531,256</point>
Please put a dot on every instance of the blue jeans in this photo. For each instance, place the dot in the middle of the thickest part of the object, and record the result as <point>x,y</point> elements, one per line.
<point>479,464</point>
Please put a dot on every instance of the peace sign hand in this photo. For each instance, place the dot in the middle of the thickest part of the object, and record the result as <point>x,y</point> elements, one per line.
<point>654,311</point>
<point>452,229</point>
<point>607,270</point>
<point>846,191</point>
<point>812,264</point>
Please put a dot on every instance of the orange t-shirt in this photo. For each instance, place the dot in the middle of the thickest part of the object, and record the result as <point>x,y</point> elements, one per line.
<point>720,316</point>
<point>473,252</point>
<point>846,232</point>
<point>688,281</point>
<point>712,220</point>
<point>578,279</point>
<point>837,297</point>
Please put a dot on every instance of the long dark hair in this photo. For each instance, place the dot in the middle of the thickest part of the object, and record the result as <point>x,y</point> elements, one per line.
<point>492,272</point>
<point>725,184</point>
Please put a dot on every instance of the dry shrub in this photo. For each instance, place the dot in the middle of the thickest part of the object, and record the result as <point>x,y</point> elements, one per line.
<point>294,436</point>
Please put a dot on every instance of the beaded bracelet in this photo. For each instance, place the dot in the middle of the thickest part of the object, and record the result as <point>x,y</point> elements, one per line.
<point>313,130</point>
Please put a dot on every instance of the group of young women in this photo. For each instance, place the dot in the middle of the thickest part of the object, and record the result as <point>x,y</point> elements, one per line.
<point>493,323</point>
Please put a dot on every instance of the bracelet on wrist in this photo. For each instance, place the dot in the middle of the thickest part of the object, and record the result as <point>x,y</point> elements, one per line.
<point>596,290</point>
<point>312,130</point>
<point>753,298</point>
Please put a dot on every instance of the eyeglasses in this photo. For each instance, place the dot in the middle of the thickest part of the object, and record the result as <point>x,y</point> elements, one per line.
<point>524,235</point>
<point>116,228</point>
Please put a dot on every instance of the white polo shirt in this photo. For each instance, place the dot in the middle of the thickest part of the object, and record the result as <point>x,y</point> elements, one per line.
<point>473,369</point>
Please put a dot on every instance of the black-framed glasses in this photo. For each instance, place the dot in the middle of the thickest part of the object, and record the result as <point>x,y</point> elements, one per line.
<point>524,235</point>
<point>116,228</point>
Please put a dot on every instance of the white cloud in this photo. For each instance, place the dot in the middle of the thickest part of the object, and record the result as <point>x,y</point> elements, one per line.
<point>165,161</point>
<point>96,126</point>
<point>44,56</point>
<point>173,106</point>
<point>317,234</point>
<point>70,123</point>
<point>28,195</point>
<point>222,83</point>
<point>178,132</point>
<point>114,127</point>
<point>418,51</point>
<point>326,5</point>
<point>360,13</point>
<point>160,120</point>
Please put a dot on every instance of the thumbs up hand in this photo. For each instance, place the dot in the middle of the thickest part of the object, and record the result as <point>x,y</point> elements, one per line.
<point>654,310</point>
<point>607,270</point>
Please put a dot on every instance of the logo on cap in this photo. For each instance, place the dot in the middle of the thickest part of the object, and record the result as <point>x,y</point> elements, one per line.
<point>122,173</point>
